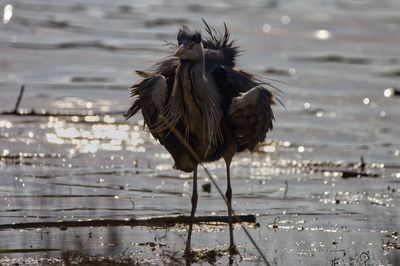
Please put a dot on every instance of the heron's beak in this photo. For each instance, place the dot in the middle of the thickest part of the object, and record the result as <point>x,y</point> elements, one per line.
<point>180,51</point>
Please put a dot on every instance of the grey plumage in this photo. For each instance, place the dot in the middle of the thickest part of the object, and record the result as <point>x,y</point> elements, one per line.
<point>218,108</point>
<point>251,116</point>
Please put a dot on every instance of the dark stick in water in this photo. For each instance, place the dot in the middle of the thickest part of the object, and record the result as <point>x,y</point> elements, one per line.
<point>52,113</point>
<point>21,92</point>
<point>150,222</point>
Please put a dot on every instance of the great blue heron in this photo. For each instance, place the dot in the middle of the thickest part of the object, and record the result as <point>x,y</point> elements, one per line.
<point>198,92</point>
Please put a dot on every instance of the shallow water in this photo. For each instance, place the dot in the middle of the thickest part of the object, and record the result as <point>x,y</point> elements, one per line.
<point>335,61</point>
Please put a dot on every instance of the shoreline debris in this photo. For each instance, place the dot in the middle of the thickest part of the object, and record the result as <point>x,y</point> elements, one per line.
<point>149,222</point>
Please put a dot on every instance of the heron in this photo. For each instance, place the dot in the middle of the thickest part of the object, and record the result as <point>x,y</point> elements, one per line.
<point>199,94</point>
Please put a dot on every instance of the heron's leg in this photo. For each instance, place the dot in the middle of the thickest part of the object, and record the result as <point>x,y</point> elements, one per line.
<point>194,206</point>
<point>228,196</point>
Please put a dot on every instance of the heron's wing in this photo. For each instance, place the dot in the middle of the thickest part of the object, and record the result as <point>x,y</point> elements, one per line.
<point>149,95</point>
<point>251,116</point>
<point>231,82</point>
<point>220,55</point>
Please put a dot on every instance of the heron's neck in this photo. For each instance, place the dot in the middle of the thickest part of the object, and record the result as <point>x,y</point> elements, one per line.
<point>199,64</point>
<point>202,64</point>
<point>199,69</point>
<point>196,95</point>
<point>190,75</point>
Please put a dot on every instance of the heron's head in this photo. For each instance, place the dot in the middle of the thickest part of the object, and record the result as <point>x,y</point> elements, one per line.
<point>190,46</point>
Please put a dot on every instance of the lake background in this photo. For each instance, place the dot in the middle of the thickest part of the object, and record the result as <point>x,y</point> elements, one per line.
<point>337,63</point>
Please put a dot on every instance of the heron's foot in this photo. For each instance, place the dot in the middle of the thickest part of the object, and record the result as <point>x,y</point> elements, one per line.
<point>233,250</point>
<point>189,254</point>
<point>233,253</point>
<point>188,251</point>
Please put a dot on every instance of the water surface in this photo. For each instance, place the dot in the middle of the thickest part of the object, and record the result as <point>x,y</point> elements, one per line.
<point>337,63</point>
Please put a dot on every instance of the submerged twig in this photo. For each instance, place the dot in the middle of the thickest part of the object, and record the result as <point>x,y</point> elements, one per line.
<point>45,113</point>
<point>150,222</point>
<point>346,170</point>
<point>359,172</point>
<point>21,92</point>
<point>33,112</point>
<point>286,189</point>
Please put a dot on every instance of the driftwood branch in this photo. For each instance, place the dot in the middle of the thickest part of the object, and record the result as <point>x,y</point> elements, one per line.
<point>32,112</point>
<point>60,113</point>
<point>150,222</point>
<point>21,92</point>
